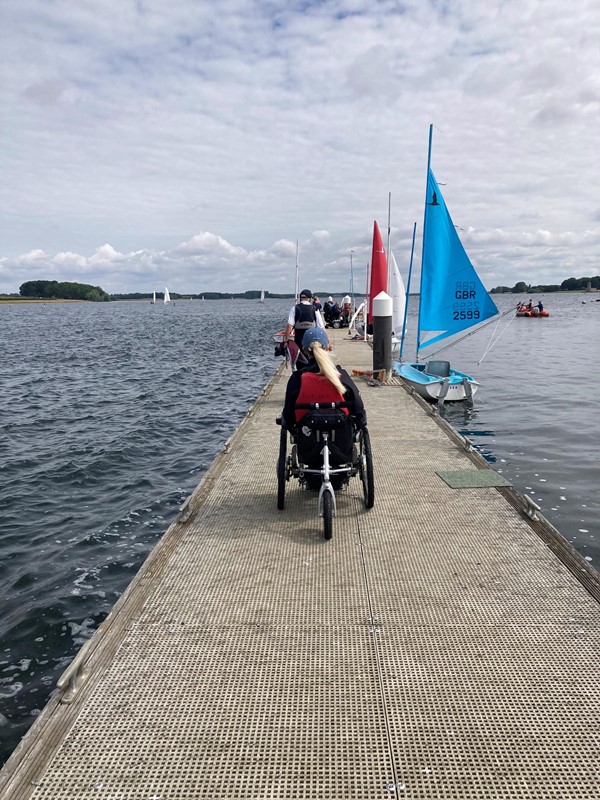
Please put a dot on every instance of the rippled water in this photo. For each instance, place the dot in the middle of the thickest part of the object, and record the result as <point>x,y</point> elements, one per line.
<point>112,412</point>
<point>110,415</point>
<point>536,417</point>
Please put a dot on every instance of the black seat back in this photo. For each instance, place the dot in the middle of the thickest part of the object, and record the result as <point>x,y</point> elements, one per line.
<point>441,369</point>
<point>325,419</point>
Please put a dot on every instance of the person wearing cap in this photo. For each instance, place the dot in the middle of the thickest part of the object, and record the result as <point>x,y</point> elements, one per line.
<point>302,317</point>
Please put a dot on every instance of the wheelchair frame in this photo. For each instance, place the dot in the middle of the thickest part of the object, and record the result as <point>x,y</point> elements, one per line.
<point>288,465</point>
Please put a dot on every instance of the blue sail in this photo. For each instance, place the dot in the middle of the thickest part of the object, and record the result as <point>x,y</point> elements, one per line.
<point>453,297</point>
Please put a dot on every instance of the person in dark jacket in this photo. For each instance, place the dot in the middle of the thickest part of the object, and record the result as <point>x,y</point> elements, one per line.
<point>303,317</point>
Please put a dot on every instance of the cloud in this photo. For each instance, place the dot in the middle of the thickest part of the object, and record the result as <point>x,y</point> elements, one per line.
<point>202,145</point>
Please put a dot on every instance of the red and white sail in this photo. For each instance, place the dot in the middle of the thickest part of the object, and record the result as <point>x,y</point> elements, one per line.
<point>379,271</point>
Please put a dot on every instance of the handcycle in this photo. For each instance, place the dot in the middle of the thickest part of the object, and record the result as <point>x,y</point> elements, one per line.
<point>327,449</point>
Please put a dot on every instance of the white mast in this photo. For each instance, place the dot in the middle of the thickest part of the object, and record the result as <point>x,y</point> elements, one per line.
<point>389,275</point>
<point>297,286</point>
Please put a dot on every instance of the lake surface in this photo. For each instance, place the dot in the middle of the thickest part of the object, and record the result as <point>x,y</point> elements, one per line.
<point>112,412</point>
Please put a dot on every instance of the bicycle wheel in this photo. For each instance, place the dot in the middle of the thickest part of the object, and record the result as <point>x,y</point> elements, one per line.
<point>327,515</point>
<point>366,469</point>
<point>281,470</point>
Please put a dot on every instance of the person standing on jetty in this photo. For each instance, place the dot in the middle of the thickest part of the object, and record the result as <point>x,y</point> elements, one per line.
<point>302,317</point>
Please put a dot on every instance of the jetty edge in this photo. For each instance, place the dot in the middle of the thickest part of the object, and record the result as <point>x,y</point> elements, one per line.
<point>442,644</point>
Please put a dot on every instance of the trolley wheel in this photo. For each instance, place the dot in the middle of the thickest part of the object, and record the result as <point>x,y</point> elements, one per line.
<point>327,515</point>
<point>366,469</point>
<point>281,470</point>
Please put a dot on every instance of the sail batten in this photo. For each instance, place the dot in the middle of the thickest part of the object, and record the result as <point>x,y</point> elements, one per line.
<point>453,298</point>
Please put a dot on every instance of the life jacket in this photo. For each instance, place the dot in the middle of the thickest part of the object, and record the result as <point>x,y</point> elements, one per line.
<point>305,317</point>
<point>315,388</point>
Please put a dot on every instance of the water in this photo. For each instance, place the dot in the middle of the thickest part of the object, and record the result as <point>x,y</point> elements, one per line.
<point>112,412</point>
<point>110,415</point>
<point>536,418</point>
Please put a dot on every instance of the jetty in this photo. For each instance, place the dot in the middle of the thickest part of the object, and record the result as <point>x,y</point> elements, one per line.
<point>444,644</point>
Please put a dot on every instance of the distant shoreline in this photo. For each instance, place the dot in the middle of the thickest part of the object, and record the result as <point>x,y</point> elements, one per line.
<point>8,300</point>
<point>19,301</point>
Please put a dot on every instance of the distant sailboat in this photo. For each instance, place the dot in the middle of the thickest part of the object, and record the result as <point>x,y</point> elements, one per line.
<point>167,298</point>
<point>153,298</point>
<point>262,296</point>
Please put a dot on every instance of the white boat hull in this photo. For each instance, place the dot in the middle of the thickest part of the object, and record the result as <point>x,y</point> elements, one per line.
<point>431,386</point>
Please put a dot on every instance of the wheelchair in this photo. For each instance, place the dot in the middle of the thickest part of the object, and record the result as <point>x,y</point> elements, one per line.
<point>327,449</point>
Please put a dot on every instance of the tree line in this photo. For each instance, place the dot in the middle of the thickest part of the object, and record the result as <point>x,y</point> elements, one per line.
<point>568,285</point>
<point>65,290</point>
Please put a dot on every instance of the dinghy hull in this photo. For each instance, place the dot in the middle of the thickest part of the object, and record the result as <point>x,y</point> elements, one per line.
<point>430,387</point>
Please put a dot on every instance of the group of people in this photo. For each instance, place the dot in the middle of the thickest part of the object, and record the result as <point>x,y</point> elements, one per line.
<point>316,379</point>
<point>338,315</point>
<point>530,306</point>
<point>332,313</point>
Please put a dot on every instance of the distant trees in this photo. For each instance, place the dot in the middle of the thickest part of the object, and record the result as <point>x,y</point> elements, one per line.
<point>65,290</point>
<point>519,288</point>
<point>570,285</point>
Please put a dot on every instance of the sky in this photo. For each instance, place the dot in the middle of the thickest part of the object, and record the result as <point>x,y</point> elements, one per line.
<point>191,144</point>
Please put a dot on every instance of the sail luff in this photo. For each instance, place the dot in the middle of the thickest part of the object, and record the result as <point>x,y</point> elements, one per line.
<point>424,238</point>
<point>410,266</point>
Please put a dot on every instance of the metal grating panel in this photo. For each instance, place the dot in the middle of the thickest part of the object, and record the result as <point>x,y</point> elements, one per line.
<point>254,712</point>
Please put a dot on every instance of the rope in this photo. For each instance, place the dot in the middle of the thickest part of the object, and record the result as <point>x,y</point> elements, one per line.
<point>466,336</point>
<point>495,337</point>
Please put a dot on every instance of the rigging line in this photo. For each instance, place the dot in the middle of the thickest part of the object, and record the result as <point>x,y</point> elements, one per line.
<point>495,338</point>
<point>466,336</point>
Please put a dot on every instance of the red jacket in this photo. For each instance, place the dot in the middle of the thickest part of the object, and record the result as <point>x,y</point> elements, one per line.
<point>316,389</point>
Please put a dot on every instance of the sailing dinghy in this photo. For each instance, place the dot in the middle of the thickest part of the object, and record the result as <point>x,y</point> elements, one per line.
<point>452,300</point>
<point>167,298</point>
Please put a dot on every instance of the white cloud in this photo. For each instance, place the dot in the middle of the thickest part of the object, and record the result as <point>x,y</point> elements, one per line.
<point>201,145</point>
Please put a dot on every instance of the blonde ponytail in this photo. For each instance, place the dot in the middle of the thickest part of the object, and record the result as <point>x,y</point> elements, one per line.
<point>327,367</point>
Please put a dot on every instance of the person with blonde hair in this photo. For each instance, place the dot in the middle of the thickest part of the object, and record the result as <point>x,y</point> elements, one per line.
<point>321,381</point>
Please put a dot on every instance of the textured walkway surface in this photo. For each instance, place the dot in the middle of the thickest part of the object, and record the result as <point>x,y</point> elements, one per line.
<point>436,647</point>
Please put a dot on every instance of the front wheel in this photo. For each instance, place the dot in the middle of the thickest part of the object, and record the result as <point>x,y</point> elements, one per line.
<point>327,515</point>
<point>366,469</point>
<point>281,470</point>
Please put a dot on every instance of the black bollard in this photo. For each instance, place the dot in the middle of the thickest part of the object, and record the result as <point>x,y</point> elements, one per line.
<point>382,333</point>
